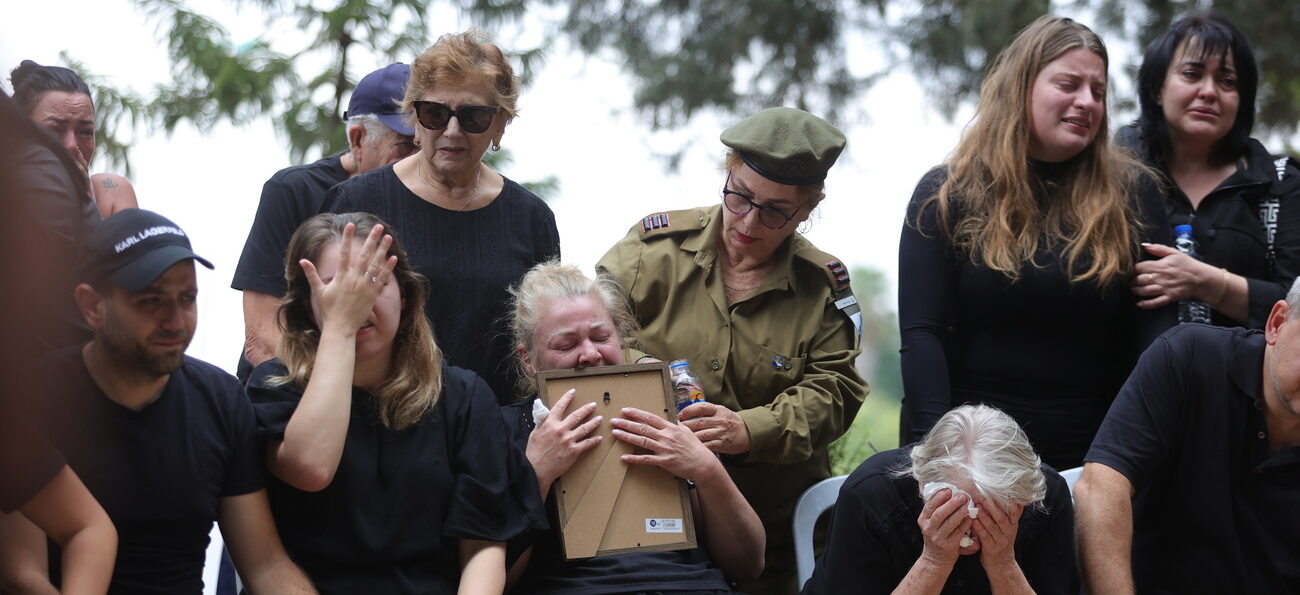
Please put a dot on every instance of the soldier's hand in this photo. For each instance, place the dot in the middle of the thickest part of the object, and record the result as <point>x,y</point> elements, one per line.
<point>720,429</point>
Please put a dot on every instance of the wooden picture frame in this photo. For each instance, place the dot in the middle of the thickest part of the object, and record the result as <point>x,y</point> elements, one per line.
<point>607,506</point>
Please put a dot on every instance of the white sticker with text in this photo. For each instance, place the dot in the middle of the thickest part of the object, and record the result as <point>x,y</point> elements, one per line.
<point>663,525</point>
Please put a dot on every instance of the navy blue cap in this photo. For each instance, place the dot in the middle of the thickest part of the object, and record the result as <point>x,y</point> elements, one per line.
<point>378,94</point>
<point>135,247</point>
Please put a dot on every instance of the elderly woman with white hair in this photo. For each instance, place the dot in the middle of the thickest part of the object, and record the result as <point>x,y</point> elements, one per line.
<point>912,520</point>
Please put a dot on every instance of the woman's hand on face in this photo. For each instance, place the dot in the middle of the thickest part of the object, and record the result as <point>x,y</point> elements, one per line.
<point>346,301</point>
<point>673,447</point>
<point>556,443</point>
<point>943,522</point>
<point>1172,278</point>
<point>720,429</point>
<point>995,529</point>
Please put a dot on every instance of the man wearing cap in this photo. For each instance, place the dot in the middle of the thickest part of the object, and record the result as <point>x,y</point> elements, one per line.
<point>164,441</point>
<point>377,136</point>
<point>767,321</point>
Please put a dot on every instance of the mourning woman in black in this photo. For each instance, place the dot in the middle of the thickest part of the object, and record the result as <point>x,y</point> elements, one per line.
<point>392,471</point>
<point>1017,253</point>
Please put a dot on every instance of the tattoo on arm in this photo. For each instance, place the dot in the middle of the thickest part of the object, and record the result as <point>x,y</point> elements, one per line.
<point>108,183</point>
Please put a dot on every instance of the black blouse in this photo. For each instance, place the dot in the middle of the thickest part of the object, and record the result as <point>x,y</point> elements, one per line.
<point>400,502</point>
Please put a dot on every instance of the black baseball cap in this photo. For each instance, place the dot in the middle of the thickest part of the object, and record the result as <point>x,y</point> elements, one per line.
<point>378,93</point>
<point>134,247</point>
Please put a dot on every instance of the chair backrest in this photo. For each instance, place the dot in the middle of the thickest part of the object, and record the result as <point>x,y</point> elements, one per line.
<point>814,501</point>
<point>1071,476</point>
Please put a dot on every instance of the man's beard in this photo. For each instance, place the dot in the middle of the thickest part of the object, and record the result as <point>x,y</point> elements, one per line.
<point>134,357</point>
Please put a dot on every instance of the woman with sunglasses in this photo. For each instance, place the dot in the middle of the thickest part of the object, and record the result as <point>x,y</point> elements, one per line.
<point>765,318</point>
<point>1016,255</point>
<point>470,230</point>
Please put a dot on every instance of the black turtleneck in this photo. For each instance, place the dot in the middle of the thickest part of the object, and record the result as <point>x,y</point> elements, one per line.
<point>1050,352</point>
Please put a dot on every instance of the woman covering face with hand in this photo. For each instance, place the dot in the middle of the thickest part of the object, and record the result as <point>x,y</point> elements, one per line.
<point>564,320</point>
<point>1016,254</point>
<point>1197,88</point>
<point>969,508</point>
<point>391,470</point>
<point>58,100</point>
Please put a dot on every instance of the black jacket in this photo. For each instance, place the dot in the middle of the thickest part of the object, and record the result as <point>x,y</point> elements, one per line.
<point>1230,230</point>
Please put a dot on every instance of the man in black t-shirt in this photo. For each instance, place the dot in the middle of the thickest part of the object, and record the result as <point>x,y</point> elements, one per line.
<point>164,441</point>
<point>377,136</point>
<point>1196,469</point>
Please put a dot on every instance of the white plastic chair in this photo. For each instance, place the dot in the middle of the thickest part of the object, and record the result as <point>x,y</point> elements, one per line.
<point>815,501</point>
<point>1071,476</point>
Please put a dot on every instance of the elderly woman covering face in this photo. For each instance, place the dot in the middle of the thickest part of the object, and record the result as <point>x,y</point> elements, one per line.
<point>468,229</point>
<point>969,508</point>
<point>563,320</point>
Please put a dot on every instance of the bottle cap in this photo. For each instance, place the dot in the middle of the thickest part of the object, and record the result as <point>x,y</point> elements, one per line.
<point>1182,229</point>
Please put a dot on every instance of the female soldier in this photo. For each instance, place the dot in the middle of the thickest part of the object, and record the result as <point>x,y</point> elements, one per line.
<point>392,471</point>
<point>1197,92</point>
<point>761,313</point>
<point>1016,254</point>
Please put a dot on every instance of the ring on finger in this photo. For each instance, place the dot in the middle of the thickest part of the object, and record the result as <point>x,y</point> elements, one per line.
<point>373,279</point>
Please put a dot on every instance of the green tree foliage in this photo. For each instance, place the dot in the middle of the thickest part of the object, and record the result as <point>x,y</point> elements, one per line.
<point>684,56</point>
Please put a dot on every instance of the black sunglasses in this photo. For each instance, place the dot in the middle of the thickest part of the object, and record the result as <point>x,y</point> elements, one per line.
<point>771,217</point>
<point>474,119</point>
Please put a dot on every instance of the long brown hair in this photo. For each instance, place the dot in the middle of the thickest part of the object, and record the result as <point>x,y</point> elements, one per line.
<point>987,204</point>
<point>416,381</point>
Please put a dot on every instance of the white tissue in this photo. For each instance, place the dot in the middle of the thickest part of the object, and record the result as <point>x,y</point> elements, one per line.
<point>929,490</point>
<point>539,412</point>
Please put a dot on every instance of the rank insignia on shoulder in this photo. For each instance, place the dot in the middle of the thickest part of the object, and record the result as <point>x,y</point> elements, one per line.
<point>655,221</point>
<point>840,272</point>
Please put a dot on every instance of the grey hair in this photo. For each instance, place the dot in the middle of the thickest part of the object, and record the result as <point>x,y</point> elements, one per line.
<point>552,280</point>
<point>1293,299</point>
<point>375,128</point>
<point>986,446</point>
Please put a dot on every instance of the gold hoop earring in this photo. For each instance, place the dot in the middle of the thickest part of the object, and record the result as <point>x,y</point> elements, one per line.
<point>496,146</point>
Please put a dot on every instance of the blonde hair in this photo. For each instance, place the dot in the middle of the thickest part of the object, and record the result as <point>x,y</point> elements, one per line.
<point>984,445</point>
<point>551,280</point>
<point>987,205</point>
<point>458,60</point>
<point>416,382</point>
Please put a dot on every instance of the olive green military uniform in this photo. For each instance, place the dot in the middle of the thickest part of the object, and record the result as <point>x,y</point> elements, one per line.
<point>783,357</point>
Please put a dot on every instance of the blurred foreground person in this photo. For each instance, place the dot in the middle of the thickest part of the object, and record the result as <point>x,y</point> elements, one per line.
<point>393,472</point>
<point>969,509</point>
<point>377,136</point>
<point>564,320</point>
<point>165,442</point>
<point>1192,483</point>
<point>35,480</point>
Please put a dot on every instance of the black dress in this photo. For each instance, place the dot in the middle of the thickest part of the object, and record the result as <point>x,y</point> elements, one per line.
<point>1050,353</point>
<point>400,502</point>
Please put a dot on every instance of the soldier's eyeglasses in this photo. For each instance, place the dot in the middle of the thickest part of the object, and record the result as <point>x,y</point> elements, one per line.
<point>740,204</point>
<point>474,119</point>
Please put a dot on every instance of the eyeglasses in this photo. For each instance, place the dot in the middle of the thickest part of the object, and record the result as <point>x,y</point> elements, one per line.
<point>771,217</point>
<point>474,119</point>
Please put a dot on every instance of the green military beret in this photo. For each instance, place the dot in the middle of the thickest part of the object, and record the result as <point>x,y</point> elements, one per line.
<point>786,145</point>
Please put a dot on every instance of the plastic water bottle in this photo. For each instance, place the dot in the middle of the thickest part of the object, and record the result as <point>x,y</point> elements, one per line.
<point>1190,310</point>
<point>687,389</point>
